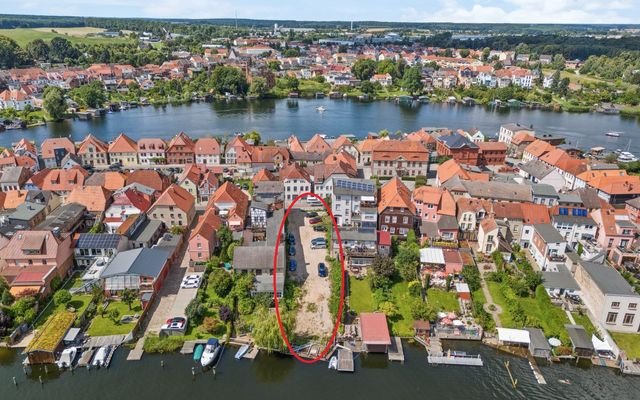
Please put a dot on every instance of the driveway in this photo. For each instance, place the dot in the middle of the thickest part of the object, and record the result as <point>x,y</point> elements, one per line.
<point>313,318</point>
<point>171,300</point>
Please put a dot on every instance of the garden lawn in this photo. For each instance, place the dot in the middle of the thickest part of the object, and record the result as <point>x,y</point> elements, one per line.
<point>551,318</point>
<point>104,326</point>
<point>79,302</point>
<point>360,295</point>
<point>25,35</point>
<point>443,301</point>
<point>403,324</point>
<point>585,322</point>
<point>629,342</point>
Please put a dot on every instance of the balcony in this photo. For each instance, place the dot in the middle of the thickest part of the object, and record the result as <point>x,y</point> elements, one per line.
<point>360,251</point>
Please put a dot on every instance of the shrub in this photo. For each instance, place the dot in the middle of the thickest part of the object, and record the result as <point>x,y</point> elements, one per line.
<point>423,311</point>
<point>246,306</point>
<point>221,282</point>
<point>195,311</point>
<point>211,325</point>
<point>415,288</point>
<point>225,314</point>
<point>62,297</point>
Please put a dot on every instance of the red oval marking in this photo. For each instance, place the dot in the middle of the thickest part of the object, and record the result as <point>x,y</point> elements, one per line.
<point>275,295</point>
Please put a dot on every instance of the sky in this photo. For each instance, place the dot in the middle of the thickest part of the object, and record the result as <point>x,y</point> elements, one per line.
<point>512,11</point>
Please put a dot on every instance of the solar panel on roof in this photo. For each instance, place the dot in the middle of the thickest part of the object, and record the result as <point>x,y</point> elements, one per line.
<point>98,241</point>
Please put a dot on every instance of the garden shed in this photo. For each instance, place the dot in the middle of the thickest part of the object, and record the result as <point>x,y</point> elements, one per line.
<point>49,340</point>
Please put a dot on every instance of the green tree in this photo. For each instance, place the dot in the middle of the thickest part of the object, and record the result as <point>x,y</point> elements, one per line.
<point>92,95</point>
<point>274,65</point>
<point>62,49</point>
<point>472,277</point>
<point>38,50</point>
<point>258,86</point>
<point>7,297</point>
<point>412,80</point>
<point>53,103</point>
<point>11,54</point>
<point>407,260</point>
<point>114,315</point>
<point>292,52</point>
<point>367,87</point>
<point>266,331</point>
<point>254,136</point>
<point>383,266</point>
<point>62,297</point>
<point>422,311</point>
<point>580,249</point>
<point>464,53</point>
<point>221,282</point>
<point>389,309</point>
<point>228,80</point>
<point>128,297</point>
<point>364,69</point>
<point>195,311</point>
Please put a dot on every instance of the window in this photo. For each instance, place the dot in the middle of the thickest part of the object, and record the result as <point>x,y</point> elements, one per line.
<point>633,306</point>
<point>394,219</point>
<point>628,319</point>
<point>199,245</point>
<point>405,220</point>
<point>387,219</point>
<point>615,304</point>
<point>611,317</point>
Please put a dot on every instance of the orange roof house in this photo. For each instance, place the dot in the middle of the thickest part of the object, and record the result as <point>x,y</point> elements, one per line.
<point>181,150</point>
<point>317,144</point>
<point>53,150</point>
<point>95,198</point>
<point>232,203</point>
<point>207,151</point>
<point>395,208</point>
<point>149,178</point>
<point>110,180</point>
<point>64,181</point>
<point>93,151</point>
<point>124,150</point>
<point>174,207</point>
<point>263,175</point>
<point>202,240</point>
<point>294,144</point>
<point>269,156</point>
<point>238,151</point>
<point>11,199</point>
<point>536,150</point>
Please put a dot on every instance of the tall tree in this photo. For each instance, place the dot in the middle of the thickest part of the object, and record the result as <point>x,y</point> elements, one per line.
<point>412,80</point>
<point>128,297</point>
<point>38,50</point>
<point>91,95</point>
<point>62,49</point>
<point>53,103</point>
<point>10,53</point>
<point>364,69</point>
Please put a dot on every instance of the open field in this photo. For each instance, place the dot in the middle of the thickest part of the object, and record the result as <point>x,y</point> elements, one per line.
<point>629,342</point>
<point>23,35</point>
<point>80,31</point>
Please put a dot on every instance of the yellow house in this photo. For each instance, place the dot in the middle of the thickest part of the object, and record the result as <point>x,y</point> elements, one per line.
<point>124,150</point>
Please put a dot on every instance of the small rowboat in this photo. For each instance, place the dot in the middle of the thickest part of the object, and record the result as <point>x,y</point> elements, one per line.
<point>197,353</point>
<point>241,351</point>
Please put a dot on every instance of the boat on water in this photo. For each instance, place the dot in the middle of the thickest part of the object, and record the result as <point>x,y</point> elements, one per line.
<point>626,157</point>
<point>333,362</point>
<point>67,357</point>
<point>613,134</point>
<point>211,351</point>
<point>197,352</point>
<point>101,357</point>
<point>321,109</point>
<point>242,351</point>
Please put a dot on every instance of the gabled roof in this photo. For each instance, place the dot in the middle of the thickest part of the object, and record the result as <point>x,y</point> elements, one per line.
<point>177,197</point>
<point>386,150</point>
<point>150,178</point>
<point>123,144</point>
<point>266,154</point>
<point>449,169</point>
<point>317,144</point>
<point>421,136</point>
<point>341,141</point>
<point>191,173</point>
<point>294,171</point>
<point>131,196</point>
<point>229,193</point>
<point>395,194</point>
<point>110,180</point>
<point>207,225</point>
<point>94,198</point>
<point>617,185</point>
<point>263,175</point>
<point>457,141</point>
<point>294,144</point>
<point>49,145</point>
<point>181,139</point>
<point>374,329</point>
<point>538,148</point>
<point>207,146</point>
<point>64,179</point>
<point>99,145</point>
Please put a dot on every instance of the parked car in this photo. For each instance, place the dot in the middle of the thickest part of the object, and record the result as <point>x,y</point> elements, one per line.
<point>319,228</point>
<point>311,214</point>
<point>315,220</point>
<point>176,319</point>
<point>322,270</point>
<point>293,265</point>
<point>319,243</point>
<point>291,239</point>
<point>292,251</point>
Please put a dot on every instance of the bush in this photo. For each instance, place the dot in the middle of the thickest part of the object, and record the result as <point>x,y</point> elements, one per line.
<point>246,306</point>
<point>169,344</point>
<point>415,288</point>
<point>195,311</point>
<point>423,311</point>
<point>225,314</point>
<point>62,297</point>
<point>211,325</point>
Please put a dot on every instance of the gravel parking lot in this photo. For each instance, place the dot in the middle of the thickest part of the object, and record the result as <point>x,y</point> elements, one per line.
<point>313,318</point>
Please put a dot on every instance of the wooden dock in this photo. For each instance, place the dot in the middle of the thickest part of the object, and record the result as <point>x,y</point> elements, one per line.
<point>396,352</point>
<point>345,360</point>
<point>189,346</point>
<point>138,351</point>
<point>436,356</point>
<point>252,354</point>
<point>85,359</point>
<point>536,371</point>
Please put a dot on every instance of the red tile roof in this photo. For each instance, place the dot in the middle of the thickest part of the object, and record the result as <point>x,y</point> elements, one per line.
<point>374,329</point>
<point>395,194</point>
<point>177,197</point>
<point>123,144</point>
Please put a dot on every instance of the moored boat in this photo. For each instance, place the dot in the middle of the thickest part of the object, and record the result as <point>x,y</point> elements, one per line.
<point>242,351</point>
<point>333,363</point>
<point>613,134</point>
<point>100,357</point>
<point>197,352</point>
<point>211,351</point>
<point>67,357</point>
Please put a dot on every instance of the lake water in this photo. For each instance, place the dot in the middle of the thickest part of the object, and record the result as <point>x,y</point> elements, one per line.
<point>278,119</point>
<point>275,377</point>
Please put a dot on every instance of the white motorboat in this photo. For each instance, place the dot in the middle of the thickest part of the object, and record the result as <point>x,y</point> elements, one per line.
<point>626,157</point>
<point>613,134</point>
<point>67,357</point>
<point>242,351</point>
<point>333,363</point>
<point>321,109</point>
<point>211,351</point>
<point>100,357</point>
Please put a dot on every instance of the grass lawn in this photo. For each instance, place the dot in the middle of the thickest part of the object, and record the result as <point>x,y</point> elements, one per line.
<point>629,342</point>
<point>584,321</point>
<point>402,325</point>
<point>104,326</point>
<point>78,301</point>
<point>24,35</point>
<point>550,318</point>
<point>443,301</point>
<point>360,296</point>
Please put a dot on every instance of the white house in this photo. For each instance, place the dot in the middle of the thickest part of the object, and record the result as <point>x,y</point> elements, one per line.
<point>547,247</point>
<point>17,99</point>
<point>575,228</point>
<point>608,296</point>
<point>353,202</point>
<point>507,132</point>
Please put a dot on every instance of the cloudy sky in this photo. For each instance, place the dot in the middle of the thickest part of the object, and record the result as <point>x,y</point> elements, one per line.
<point>514,11</point>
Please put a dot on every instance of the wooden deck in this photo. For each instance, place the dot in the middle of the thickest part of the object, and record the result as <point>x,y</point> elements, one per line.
<point>252,354</point>
<point>85,359</point>
<point>395,351</point>
<point>189,346</point>
<point>345,360</point>
<point>138,351</point>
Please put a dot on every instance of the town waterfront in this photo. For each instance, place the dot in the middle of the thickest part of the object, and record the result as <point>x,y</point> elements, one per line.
<point>277,119</point>
<point>277,377</point>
